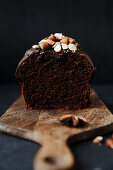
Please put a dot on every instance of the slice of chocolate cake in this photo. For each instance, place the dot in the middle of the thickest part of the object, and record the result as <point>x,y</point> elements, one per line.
<point>55,74</point>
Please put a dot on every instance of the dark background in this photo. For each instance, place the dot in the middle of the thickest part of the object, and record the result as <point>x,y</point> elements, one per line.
<point>23,23</point>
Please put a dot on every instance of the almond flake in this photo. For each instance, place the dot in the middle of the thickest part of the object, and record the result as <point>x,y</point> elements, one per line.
<point>72,47</point>
<point>58,48</point>
<point>64,46</point>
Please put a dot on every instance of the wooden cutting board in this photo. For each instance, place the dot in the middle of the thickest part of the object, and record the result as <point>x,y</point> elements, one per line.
<point>44,127</point>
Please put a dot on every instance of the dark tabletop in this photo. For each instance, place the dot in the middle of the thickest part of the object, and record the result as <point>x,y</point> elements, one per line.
<point>17,154</point>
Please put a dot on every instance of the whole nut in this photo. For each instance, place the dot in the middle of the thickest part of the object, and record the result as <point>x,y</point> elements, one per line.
<point>43,44</point>
<point>64,40</point>
<point>72,47</point>
<point>69,120</point>
<point>98,139</point>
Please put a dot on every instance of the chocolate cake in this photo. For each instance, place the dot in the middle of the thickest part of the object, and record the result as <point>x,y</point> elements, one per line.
<point>55,73</point>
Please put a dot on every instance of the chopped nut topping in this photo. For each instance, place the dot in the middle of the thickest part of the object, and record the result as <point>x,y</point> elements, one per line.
<point>58,36</point>
<point>71,40</point>
<point>69,120</point>
<point>64,40</point>
<point>72,47</point>
<point>50,42</point>
<point>52,37</point>
<point>98,139</point>
<point>56,44</point>
<point>58,48</point>
<point>43,44</point>
<point>109,143</point>
<point>64,46</point>
<point>35,46</point>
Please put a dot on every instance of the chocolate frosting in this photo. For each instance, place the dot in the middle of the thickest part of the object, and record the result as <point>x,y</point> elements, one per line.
<point>39,51</point>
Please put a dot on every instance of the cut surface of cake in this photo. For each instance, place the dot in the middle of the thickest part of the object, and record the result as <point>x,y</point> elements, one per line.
<point>55,74</point>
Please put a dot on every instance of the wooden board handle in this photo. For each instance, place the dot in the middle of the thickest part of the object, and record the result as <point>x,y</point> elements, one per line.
<point>54,155</point>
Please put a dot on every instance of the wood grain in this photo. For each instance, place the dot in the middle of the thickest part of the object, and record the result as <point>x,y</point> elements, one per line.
<point>44,127</point>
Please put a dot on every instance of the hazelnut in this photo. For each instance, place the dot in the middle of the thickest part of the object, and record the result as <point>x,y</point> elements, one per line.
<point>69,120</point>
<point>52,37</point>
<point>72,47</point>
<point>109,143</point>
<point>64,40</point>
<point>64,46</point>
<point>43,44</point>
<point>82,120</point>
<point>56,44</point>
<point>58,48</point>
<point>98,139</point>
<point>58,36</point>
<point>50,42</point>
